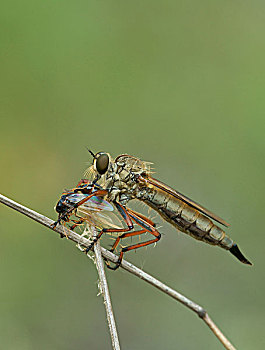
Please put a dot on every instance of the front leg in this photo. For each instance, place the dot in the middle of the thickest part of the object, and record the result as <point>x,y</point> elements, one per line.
<point>127,220</point>
<point>147,225</point>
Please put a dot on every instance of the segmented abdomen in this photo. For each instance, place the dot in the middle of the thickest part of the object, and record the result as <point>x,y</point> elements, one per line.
<point>186,218</point>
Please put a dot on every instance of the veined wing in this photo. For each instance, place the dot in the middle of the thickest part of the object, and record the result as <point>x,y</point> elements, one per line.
<point>96,211</point>
<point>176,194</point>
<point>98,203</point>
<point>100,219</point>
<point>95,203</point>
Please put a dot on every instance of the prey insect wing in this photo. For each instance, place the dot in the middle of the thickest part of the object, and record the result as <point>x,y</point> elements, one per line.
<point>79,207</point>
<point>103,217</point>
<point>95,203</point>
<point>95,210</point>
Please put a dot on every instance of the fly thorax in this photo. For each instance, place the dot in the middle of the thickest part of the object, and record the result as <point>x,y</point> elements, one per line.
<point>113,194</point>
<point>124,198</point>
<point>112,171</point>
<point>121,179</point>
<point>141,193</point>
<point>144,192</point>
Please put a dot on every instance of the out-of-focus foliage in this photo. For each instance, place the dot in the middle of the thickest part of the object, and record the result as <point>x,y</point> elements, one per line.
<point>179,83</point>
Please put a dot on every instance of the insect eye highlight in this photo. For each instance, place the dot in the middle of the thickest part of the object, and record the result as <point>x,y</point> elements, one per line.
<point>102,163</point>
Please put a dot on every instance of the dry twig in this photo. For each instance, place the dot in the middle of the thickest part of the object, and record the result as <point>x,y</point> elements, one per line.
<point>103,285</point>
<point>125,265</point>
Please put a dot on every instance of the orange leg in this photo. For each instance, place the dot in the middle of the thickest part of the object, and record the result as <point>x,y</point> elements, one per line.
<point>135,233</point>
<point>126,218</point>
<point>77,223</point>
<point>130,211</point>
<point>82,182</point>
<point>124,235</point>
<point>66,214</point>
<point>105,230</point>
<point>147,225</point>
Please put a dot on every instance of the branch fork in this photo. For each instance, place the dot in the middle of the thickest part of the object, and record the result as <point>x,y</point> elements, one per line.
<point>100,253</point>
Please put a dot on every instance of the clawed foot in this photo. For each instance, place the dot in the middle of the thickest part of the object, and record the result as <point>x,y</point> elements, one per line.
<point>90,246</point>
<point>116,265</point>
<point>53,226</point>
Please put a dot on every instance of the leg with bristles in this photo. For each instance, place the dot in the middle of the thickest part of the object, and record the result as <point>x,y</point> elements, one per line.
<point>77,223</point>
<point>117,241</point>
<point>146,224</point>
<point>127,220</point>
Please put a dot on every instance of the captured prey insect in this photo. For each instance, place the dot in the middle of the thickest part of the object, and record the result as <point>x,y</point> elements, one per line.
<point>127,177</point>
<point>72,201</point>
<point>85,204</point>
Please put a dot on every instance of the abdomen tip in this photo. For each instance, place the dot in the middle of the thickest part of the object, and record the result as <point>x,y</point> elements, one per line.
<point>237,253</point>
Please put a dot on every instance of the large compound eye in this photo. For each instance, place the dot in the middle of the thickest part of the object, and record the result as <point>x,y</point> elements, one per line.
<point>102,163</point>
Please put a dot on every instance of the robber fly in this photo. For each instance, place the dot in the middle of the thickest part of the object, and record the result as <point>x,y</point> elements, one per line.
<point>85,204</point>
<point>127,177</point>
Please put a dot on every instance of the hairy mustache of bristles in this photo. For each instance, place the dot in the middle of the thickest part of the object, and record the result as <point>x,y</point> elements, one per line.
<point>90,174</point>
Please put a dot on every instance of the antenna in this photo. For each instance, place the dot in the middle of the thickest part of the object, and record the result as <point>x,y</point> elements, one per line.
<point>93,155</point>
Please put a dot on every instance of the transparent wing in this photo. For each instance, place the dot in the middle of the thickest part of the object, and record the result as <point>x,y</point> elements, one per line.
<point>176,194</point>
<point>100,219</point>
<point>97,203</point>
<point>94,203</point>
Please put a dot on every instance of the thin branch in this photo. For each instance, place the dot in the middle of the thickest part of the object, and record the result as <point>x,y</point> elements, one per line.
<point>103,285</point>
<point>201,312</point>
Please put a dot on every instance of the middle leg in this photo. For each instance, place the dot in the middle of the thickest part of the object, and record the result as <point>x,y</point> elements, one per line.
<point>146,224</point>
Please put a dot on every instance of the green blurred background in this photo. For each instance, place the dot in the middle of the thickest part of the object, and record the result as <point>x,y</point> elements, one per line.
<point>179,83</point>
